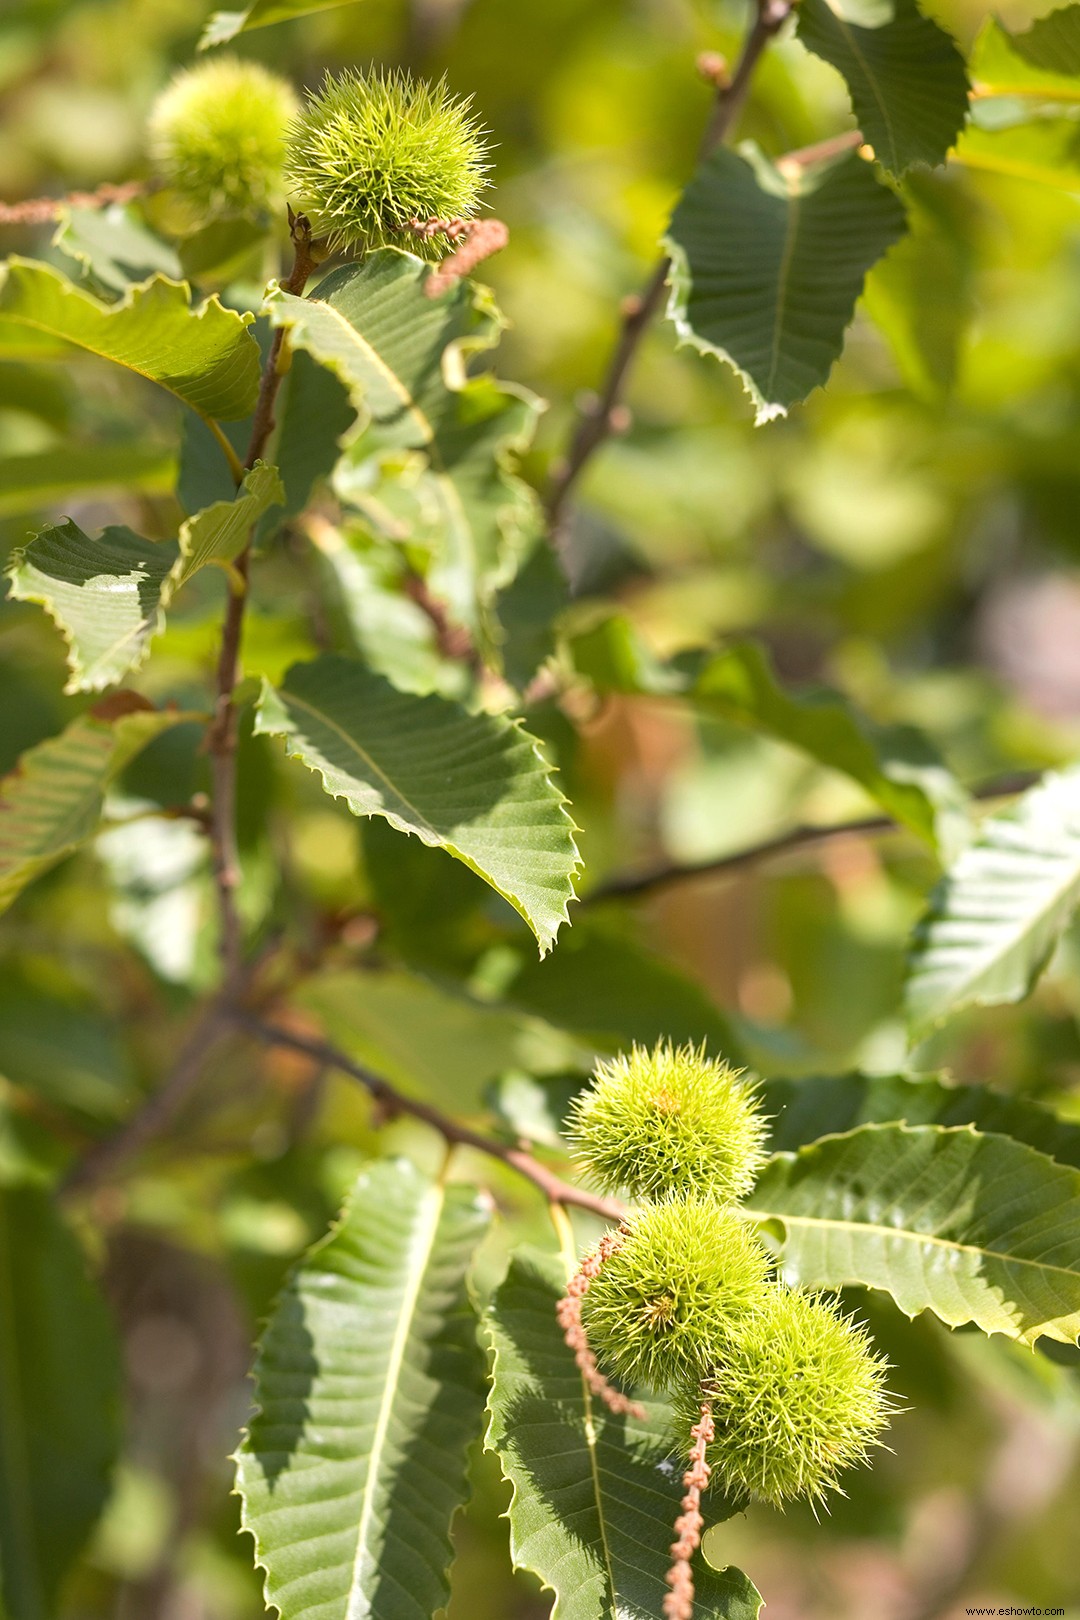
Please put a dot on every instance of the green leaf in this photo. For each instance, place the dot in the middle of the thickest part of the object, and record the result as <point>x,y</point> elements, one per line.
<point>998,912</point>
<point>205,356</point>
<point>64,1050</point>
<point>430,459</point>
<point>40,478</point>
<point>427,1038</point>
<point>1052,42</point>
<point>225,25</point>
<point>108,595</point>
<point>595,1496</point>
<point>802,1110</point>
<point>369,1385</point>
<point>314,415</point>
<point>905,75</point>
<point>59,1402</point>
<point>974,1228</point>
<point>896,766</point>
<point>114,246</point>
<point>476,785</point>
<point>1021,122</point>
<point>768,263</point>
<point>52,801</point>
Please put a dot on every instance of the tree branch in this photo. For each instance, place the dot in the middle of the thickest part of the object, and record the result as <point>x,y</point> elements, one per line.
<point>635,885</point>
<point>39,210</point>
<point>554,1189</point>
<point>221,737</point>
<point>598,423</point>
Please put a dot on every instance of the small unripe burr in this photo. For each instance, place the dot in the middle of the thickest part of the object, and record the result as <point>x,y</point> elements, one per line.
<point>799,1397</point>
<point>382,159</point>
<point>670,1120</point>
<point>667,1302</point>
<point>217,137</point>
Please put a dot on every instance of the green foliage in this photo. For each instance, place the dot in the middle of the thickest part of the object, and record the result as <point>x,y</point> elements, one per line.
<point>591,1511</point>
<point>1052,42</point>
<point>60,1387</point>
<point>108,595</point>
<point>1001,908</point>
<point>477,786</point>
<point>204,355</point>
<point>906,77</point>
<point>768,263</point>
<point>225,25</point>
<point>669,1121</point>
<point>369,1389</point>
<point>674,1295</point>
<point>373,153</point>
<point>974,1228</point>
<point>217,136</point>
<point>798,1396</point>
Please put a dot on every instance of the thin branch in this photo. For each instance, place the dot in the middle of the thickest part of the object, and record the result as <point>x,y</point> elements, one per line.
<point>635,885</point>
<point>554,1189</point>
<point>221,737</point>
<point>603,418</point>
<point>39,210</point>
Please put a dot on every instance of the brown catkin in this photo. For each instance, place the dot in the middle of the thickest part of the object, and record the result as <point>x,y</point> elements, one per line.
<point>568,1312</point>
<point>679,1602</point>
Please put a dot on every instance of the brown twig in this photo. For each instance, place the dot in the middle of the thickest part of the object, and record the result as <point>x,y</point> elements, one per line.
<point>395,1102</point>
<point>636,885</point>
<point>679,1602</point>
<point>221,736</point>
<point>568,1314</point>
<point>603,417</point>
<point>39,210</point>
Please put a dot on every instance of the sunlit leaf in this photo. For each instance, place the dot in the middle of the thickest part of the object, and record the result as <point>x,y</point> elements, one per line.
<point>974,1228</point>
<point>475,785</point>
<point>997,914</point>
<point>768,263</point>
<point>52,801</point>
<point>904,73</point>
<point>205,355</point>
<point>432,460</point>
<point>225,25</point>
<point>369,1391</point>
<point>59,1402</point>
<point>108,594</point>
<point>595,1496</point>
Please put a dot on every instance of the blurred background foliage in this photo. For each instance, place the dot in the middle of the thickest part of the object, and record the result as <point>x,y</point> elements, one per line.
<point>908,536</point>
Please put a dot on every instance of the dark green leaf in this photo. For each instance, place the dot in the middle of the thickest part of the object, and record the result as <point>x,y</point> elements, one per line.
<point>1052,42</point>
<point>768,264</point>
<point>369,1385</point>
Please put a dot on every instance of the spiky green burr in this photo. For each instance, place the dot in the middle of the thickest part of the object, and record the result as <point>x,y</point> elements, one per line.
<point>217,137</point>
<point>669,1120</point>
<point>372,152</point>
<point>666,1304</point>
<point>799,1396</point>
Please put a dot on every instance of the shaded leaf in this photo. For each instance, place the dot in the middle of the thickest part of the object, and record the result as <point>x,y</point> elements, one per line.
<point>429,460</point>
<point>59,1402</point>
<point>974,1228</point>
<point>40,478</point>
<point>802,1110</point>
<point>904,73</point>
<point>108,594</point>
<point>63,1050</point>
<point>225,25</point>
<point>897,766</point>
<point>369,1383</point>
<point>114,246</point>
<point>595,1496</point>
<point>205,355</point>
<point>475,785</point>
<point>52,801</point>
<point>768,263</point>
<point>314,415</point>
<point>998,912</point>
<point>1052,42</point>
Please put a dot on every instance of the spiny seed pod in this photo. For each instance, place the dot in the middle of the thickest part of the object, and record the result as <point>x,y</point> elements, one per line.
<point>669,1120</point>
<point>372,157</point>
<point>799,1396</point>
<point>217,136</point>
<point>665,1304</point>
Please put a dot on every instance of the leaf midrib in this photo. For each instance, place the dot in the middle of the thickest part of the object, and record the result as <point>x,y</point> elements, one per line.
<point>856,51</point>
<point>420,1251</point>
<point>791,227</point>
